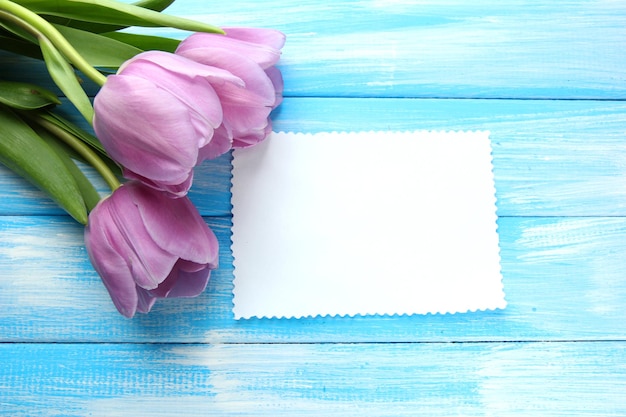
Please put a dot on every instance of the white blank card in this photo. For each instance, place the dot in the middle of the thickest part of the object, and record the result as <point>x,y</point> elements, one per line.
<point>365,223</point>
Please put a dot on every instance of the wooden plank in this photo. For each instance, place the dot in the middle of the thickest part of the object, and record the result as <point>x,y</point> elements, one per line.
<point>551,158</point>
<point>559,348</point>
<point>563,279</point>
<point>482,379</point>
<point>483,49</point>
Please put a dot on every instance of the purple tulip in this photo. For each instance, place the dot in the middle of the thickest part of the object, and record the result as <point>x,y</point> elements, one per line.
<point>251,55</point>
<point>146,245</point>
<point>157,117</point>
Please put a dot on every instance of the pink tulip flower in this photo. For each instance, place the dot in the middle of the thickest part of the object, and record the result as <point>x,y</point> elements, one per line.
<point>157,117</point>
<point>251,55</point>
<point>146,245</point>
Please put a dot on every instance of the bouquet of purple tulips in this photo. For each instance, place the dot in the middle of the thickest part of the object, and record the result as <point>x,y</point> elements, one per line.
<point>163,107</point>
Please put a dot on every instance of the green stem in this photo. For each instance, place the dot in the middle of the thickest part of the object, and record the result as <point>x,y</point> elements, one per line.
<point>83,150</point>
<point>38,26</point>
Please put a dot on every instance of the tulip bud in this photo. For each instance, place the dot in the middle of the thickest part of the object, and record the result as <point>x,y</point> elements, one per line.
<point>250,54</point>
<point>146,245</point>
<point>157,113</point>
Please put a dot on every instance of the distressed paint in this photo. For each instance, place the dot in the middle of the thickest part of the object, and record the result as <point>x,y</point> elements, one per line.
<point>559,163</point>
<point>482,49</point>
<point>480,379</point>
<point>563,279</point>
<point>551,157</point>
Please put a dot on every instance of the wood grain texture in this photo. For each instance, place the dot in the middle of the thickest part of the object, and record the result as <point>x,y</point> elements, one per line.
<point>410,48</point>
<point>481,379</point>
<point>563,279</point>
<point>551,157</point>
<point>547,79</point>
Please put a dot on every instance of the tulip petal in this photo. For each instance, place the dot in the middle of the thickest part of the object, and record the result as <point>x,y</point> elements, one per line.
<point>114,272</point>
<point>185,79</point>
<point>269,37</point>
<point>176,226</point>
<point>128,129</point>
<point>264,55</point>
<point>196,94</point>
<point>175,190</point>
<point>255,79</point>
<point>146,245</point>
<point>149,263</point>
<point>145,300</point>
<point>178,64</point>
<point>253,137</point>
<point>190,284</point>
<point>241,115</point>
<point>123,230</point>
<point>184,283</point>
<point>276,77</point>
<point>220,144</point>
<point>245,109</point>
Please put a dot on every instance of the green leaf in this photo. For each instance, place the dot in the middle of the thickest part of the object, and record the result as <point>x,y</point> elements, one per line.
<point>110,53</point>
<point>68,126</point>
<point>28,155</point>
<point>145,42</point>
<point>112,12</point>
<point>12,27</point>
<point>84,136</point>
<point>156,5</point>
<point>87,190</point>
<point>79,149</point>
<point>9,24</point>
<point>65,78</point>
<point>25,96</point>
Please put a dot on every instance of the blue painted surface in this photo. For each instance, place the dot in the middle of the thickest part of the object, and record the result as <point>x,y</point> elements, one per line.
<point>559,348</point>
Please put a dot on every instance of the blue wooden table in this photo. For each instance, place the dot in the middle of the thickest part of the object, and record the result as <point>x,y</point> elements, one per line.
<point>546,78</point>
